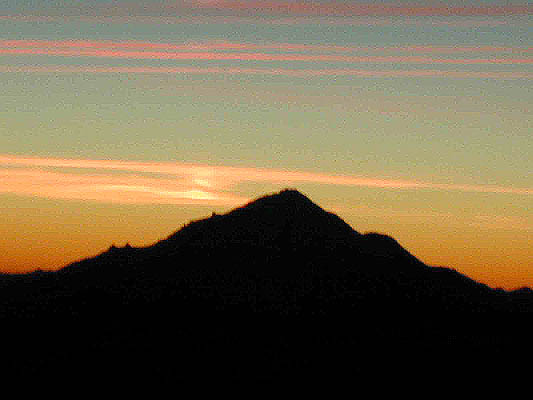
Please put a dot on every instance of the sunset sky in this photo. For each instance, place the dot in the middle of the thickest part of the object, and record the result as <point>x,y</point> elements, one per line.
<point>120,121</point>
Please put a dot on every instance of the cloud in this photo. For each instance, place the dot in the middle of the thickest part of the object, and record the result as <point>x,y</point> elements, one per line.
<point>241,56</point>
<point>354,20</point>
<point>296,73</point>
<point>317,8</point>
<point>318,59</point>
<point>109,188</point>
<point>306,8</point>
<point>117,181</point>
<point>228,45</point>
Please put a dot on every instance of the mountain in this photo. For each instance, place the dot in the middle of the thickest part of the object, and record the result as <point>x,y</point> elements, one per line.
<point>276,289</point>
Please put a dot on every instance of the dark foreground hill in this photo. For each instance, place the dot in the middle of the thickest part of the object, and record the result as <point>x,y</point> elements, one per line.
<point>277,289</point>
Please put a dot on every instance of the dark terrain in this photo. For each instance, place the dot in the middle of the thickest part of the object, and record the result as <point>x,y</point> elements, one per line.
<point>277,289</point>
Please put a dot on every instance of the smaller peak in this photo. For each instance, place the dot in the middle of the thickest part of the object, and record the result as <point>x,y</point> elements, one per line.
<point>115,249</point>
<point>523,290</point>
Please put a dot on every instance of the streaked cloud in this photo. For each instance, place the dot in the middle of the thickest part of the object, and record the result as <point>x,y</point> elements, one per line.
<point>228,45</point>
<point>299,59</point>
<point>278,8</point>
<point>109,188</point>
<point>117,181</point>
<point>298,73</point>
<point>446,21</point>
<point>310,8</point>
<point>343,8</point>
<point>256,56</point>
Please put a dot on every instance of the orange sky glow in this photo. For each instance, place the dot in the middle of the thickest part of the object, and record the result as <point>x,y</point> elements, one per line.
<point>199,185</point>
<point>121,121</point>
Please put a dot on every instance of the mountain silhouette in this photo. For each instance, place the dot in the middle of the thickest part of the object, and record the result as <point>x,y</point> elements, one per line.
<point>276,289</point>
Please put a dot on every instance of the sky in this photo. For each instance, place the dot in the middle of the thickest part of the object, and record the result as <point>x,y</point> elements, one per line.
<point>121,121</point>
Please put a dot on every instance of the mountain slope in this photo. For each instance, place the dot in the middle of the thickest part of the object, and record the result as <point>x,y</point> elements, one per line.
<point>276,288</point>
<point>285,219</point>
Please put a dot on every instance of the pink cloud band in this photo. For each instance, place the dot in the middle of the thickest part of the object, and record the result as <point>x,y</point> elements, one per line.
<point>297,73</point>
<point>226,45</point>
<point>307,8</point>
<point>215,56</point>
<point>269,52</point>
<point>473,21</point>
<point>319,8</point>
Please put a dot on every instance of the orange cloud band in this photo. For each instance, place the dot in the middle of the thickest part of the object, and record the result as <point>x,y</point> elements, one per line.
<point>108,188</point>
<point>226,45</point>
<point>178,183</point>
<point>214,56</point>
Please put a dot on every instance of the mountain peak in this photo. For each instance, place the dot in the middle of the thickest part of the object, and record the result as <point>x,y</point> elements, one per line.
<point>287,199</point>
<point>288,214</point>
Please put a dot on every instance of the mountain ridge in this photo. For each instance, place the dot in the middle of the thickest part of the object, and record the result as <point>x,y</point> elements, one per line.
<point>276,288</point>
<point>286,199</point>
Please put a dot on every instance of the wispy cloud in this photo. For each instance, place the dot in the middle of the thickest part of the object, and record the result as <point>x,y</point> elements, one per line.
<point>106,187</point>
<point>179,183</point>
<point>228,45</point>
<point>297,73</point>
<point>312,8</point>
<point>343,8</point>
<point>282,8</point>
<point>299,59</point>
<point>354,20</point>
<point>148,54</point>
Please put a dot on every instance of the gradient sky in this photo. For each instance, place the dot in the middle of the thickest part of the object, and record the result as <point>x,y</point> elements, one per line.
<point>120,121</point>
